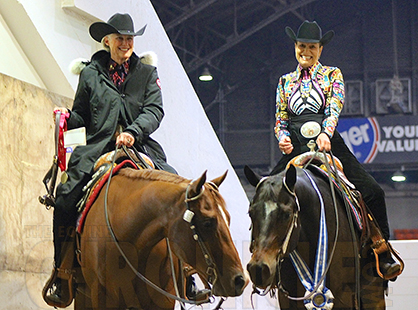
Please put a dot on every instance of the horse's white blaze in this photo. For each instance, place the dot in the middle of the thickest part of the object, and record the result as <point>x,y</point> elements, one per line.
<point>223,215</point>
<point>269,207</point>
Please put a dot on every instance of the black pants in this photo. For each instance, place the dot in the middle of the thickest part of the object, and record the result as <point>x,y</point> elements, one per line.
<point>373,194</point>
<point>65,214</point>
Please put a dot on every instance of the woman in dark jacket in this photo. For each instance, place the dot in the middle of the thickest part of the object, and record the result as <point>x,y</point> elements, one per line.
<point>118,101</point>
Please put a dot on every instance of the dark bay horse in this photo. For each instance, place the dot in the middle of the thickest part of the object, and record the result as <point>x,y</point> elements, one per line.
<point>286,216</point>
<point>151,213</point>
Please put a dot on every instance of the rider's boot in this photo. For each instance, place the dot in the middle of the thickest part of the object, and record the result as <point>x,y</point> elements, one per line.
<point>54,294</point>
<point>52,289</point>
<point>388,267</point>
<point>193,293</point>
<point>58,290</point>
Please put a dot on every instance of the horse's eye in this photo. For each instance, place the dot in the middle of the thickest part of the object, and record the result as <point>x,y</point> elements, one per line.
<point>286,216</point>
<point>209,223</point>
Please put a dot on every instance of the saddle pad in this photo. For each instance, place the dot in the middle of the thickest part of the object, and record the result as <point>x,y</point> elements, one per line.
<point>96,190</point>
<point>344,190</point>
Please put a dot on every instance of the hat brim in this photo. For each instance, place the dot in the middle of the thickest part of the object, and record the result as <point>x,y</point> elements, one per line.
<point>290,33</point>
<point>99,30</point>
<point>327,37</point>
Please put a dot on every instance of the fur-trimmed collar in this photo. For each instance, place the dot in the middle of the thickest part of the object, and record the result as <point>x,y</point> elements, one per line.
<point>148,58</point>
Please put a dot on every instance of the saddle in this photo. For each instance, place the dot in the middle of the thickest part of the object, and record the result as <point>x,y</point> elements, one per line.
<point>102,168</point>
<point>316,163</point>
<point>330,167</point>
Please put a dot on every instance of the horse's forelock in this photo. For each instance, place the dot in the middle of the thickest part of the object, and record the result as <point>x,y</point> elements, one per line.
<point>220,201</point>
<point>270,188</point>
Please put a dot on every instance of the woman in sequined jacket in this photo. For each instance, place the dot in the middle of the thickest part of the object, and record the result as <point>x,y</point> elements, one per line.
<point>308,104</point>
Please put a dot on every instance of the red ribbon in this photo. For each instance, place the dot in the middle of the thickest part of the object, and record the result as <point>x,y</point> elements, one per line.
<point>62,151</point>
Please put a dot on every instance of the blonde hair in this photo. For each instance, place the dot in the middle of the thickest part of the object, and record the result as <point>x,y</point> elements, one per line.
<point>105,46</point>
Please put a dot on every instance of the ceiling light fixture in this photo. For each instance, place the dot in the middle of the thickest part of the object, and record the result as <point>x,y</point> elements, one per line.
<point>206,76</point>
<point>398,176</point>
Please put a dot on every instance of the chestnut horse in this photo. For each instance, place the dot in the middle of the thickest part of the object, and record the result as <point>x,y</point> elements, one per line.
<point>151,213</point>
<point>288,235</point>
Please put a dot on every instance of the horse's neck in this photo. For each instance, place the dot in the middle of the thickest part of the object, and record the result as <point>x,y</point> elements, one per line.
<point>310,213</point>
<point>309,203</point>
<point>150,210</point>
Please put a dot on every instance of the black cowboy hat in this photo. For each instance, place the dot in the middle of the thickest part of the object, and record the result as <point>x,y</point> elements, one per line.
<point>118,23</point>
<point>310,32</point>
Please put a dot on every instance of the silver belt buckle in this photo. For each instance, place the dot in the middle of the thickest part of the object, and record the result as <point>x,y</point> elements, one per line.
<point>310,129</point>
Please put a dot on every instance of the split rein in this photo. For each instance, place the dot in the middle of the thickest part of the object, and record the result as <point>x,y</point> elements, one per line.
<point>188,216</point>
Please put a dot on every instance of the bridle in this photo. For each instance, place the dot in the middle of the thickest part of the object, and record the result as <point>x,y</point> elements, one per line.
<point>293,224</point>
<point>290,229</point>
<point>188,217</point>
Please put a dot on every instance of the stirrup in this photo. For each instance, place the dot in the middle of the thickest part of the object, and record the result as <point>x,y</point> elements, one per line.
<point>384,247</point>
<point>67,289</point>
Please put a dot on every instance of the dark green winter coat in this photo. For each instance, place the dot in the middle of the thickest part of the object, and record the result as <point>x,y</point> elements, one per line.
<point>99,107</point>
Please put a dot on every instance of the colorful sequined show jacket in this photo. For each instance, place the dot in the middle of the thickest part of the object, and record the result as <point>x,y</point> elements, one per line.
<point>331,82</point>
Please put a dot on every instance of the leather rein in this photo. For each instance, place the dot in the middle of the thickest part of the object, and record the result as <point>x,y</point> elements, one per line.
<point>50,177</point>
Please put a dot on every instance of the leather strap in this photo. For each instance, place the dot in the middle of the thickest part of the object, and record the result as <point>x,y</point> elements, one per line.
<point>59,160</point>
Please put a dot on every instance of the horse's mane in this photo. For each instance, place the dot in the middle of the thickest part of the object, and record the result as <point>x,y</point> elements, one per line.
<point>160,175</point>
<point>152,175</point>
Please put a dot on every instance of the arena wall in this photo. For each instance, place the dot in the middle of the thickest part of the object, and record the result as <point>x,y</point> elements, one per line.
<point>26,153</point>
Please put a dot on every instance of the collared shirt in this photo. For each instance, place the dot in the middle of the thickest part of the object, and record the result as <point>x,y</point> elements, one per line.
<point>328,83</point>
<point>118,72</point>
<point>307,97</point>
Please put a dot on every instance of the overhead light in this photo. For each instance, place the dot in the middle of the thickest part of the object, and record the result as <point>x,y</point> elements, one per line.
<point>206,76</point>
<point>398,176</point>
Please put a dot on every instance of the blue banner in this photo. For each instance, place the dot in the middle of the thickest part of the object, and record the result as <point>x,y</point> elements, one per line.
<point>381,140</point>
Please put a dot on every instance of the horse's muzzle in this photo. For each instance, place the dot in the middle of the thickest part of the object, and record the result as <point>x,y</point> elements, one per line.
<point>240,283</point>
<point>236,286</point>
<point>262,275</point>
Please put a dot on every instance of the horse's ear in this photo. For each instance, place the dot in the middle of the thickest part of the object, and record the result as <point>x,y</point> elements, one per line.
<point>196,185</point>
<point>251,176</point>
<point>218,181</point>
<point>291,178</point>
